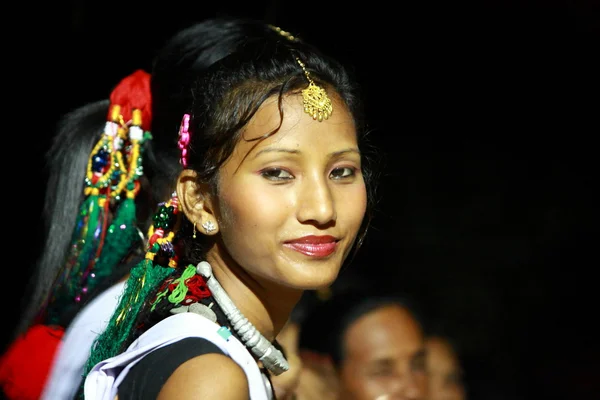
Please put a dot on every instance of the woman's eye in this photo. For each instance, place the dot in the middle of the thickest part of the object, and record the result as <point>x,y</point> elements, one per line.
<point>276,174</point>
<point>341,173</point>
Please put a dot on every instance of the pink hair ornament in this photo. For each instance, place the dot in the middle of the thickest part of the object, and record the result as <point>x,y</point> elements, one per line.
<point>184,139</point>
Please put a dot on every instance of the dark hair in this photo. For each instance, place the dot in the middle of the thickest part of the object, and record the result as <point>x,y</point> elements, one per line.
<point>323,330</point>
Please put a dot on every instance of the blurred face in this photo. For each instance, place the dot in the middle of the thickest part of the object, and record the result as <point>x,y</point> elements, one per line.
<point>289,207</point>
<point>445,373</point>
<point>384,357</point>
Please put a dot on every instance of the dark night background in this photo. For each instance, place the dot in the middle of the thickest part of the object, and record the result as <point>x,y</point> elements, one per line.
<point>486,112</point>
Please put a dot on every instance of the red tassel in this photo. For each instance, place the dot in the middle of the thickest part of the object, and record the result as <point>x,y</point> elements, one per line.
<point>133,92</point>
<point>26,364</point>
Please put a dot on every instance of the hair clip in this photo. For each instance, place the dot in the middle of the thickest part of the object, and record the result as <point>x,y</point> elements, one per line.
<point>184,139</point>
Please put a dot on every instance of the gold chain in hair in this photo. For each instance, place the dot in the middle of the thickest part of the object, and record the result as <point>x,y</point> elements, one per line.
<point>316,102</point>
<point>283,33</point>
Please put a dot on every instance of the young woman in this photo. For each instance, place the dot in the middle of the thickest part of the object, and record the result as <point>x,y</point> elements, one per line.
<point>272,198</point>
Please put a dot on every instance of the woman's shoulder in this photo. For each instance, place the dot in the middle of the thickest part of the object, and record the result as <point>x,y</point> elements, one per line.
<point>210,375</point>
<point>190,359</point>
<point>189,350</point>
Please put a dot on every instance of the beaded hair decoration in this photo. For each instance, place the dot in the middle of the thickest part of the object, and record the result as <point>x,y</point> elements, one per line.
<point>160,262</point>
<point>316,102</point>
<point>111,184</point>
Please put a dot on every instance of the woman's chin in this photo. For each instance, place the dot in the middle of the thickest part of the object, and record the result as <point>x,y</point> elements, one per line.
<point>310,282</point>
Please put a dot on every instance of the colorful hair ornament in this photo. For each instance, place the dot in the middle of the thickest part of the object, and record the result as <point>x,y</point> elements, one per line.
<point>184,139</point>
<point>111,184</point>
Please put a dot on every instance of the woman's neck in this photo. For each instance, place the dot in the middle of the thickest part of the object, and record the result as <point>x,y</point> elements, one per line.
<point>265,304</point>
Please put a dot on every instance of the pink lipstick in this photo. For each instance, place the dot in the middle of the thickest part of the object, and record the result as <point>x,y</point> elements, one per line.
<point>313,246</point>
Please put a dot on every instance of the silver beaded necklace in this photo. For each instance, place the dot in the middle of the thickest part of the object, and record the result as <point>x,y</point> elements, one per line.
<point>269,355</point>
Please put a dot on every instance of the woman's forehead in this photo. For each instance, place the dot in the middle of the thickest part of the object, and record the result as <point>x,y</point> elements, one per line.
<point>268,118</point>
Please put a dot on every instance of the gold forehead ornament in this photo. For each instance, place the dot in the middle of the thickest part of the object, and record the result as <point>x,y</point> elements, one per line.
<point>316,102</point>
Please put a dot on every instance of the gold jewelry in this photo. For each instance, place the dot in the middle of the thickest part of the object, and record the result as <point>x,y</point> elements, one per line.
<point>283,33</point>
<point>316,102</point>
<point>194,234</point>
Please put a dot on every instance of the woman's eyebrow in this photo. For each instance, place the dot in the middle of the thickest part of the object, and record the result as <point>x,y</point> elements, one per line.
<point>295,151</point>
<point>277,150</point>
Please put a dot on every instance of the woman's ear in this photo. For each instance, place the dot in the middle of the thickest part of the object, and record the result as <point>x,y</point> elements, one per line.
<point>195,202</point>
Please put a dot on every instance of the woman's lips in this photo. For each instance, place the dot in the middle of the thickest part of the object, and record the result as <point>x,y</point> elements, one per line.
<point>313,246</point>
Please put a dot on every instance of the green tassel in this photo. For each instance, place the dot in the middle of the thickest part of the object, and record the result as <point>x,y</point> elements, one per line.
<point>84,245</point>
<point>86,237</point>
<point>144,278</point>
<point>121,237</point>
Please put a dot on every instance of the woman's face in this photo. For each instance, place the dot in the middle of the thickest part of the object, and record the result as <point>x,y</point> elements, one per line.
<point>289,207</point>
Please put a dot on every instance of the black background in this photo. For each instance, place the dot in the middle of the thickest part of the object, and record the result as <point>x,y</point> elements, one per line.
<point>487,113</point>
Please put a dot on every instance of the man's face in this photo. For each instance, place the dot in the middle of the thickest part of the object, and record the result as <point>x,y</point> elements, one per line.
<point>384,357</point>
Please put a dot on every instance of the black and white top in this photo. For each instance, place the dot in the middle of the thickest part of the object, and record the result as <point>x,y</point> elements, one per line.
<point>104,380</point>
